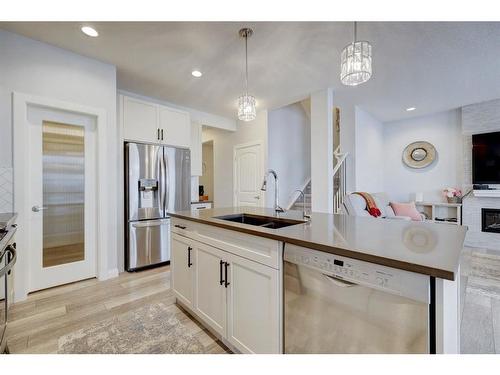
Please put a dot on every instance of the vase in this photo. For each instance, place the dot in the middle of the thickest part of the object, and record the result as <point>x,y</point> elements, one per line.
<point>454,200</point>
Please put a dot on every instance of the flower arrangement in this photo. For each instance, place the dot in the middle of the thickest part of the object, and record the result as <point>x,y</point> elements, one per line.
<point>453,195</point>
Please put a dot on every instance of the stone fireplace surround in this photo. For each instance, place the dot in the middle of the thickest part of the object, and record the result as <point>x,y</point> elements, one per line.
<point>478,118</point>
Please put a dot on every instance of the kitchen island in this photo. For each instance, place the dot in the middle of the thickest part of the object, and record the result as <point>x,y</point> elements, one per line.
<point>245,304</point>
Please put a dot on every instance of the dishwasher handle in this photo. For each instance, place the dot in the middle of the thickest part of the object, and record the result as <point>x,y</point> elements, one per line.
<point>339,282</point>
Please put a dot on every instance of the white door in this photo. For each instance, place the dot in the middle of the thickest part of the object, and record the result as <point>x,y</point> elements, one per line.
<point>182,264</point>
<point>248,175</point>
<point>210,290</point>
<point>61,190</point>
<point>253,306</point>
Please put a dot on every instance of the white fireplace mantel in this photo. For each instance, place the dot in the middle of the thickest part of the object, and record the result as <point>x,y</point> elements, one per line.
<point>487,193</point>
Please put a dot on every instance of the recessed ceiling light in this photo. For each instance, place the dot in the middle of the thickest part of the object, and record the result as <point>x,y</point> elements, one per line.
<point>87,30</point>
<point>410,109</point>
<point>196,73</point>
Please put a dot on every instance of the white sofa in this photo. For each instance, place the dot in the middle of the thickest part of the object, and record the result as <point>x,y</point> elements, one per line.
<point>355,205</point>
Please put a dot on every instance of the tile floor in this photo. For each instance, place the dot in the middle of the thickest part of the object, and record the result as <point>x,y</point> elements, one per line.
<point>480,298</point>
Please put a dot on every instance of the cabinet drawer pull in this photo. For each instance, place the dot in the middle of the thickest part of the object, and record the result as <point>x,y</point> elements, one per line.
<point>180,226</point>
<point>189,257</point>
<point>221,281</point>
<point>226,264</point>
<point>162,134</point>
<point>158,134</point>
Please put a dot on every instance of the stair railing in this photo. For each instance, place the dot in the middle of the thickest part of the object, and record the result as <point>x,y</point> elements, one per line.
<point>295,196</point>
<point>339,180</point>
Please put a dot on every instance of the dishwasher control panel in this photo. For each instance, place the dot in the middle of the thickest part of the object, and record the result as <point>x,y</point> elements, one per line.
<point>396,281</point>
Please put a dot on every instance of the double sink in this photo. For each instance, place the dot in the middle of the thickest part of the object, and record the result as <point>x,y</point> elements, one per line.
<point>260,221</point>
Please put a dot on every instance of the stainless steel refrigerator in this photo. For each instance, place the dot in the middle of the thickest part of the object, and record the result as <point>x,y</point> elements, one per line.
<point>157,180</point>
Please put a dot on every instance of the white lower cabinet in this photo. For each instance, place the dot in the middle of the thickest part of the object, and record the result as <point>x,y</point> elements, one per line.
<point>210,291</point>
<point>236,297</point>
<point>253,306</point>
<point>183,269</point>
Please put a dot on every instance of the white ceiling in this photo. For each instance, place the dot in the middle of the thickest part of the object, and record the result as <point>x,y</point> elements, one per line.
<point>431,66</point>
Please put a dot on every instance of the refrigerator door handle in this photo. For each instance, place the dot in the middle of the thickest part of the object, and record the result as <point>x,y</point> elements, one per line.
<point>161,195</point>
<point>167,181</point>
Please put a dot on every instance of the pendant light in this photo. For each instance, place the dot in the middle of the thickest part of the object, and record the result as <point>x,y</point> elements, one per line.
<point>246,103</point>
<point>356,62</point>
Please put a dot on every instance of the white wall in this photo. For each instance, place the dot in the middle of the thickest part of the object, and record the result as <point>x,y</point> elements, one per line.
<point>36,68</point>
<point>289,152</point>
<point>322,151</point>
<point>224,141</point>
<point>443,130</point>
<point>369,154</point>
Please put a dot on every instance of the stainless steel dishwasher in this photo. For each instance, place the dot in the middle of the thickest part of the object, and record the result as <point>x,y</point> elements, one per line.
<point>334,304</point>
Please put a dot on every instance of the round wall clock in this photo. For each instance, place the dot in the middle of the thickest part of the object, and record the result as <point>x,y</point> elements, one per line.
<point>419,154</point>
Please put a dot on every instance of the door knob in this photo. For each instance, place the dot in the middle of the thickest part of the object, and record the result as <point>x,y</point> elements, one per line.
<point>38,208</point>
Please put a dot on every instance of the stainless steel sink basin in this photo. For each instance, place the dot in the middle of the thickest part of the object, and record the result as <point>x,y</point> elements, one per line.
<point>260,221</point>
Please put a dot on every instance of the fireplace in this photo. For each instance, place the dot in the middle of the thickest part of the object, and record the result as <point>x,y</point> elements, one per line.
<point>490,220</point>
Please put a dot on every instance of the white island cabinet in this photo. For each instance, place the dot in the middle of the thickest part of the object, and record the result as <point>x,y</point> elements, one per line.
<point>182,270</point>
<point>233,285</point>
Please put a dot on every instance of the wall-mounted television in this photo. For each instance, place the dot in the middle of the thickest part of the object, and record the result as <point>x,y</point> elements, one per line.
<point>486,158</point>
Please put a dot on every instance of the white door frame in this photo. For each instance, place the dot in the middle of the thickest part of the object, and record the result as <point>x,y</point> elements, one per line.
<point>22,205</point>
<point>262,167</point>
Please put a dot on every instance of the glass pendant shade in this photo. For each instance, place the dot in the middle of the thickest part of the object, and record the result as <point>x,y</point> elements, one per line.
<point>356,63</point>
<point>246,108</point>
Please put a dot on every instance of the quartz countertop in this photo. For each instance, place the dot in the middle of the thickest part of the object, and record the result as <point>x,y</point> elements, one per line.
<point>426,248</point>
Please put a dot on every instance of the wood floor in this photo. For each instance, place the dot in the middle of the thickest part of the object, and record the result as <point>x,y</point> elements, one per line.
<point>35,325</point>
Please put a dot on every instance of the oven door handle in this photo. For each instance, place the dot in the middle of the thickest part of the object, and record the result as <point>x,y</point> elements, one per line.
<point>13,254</point>
<point>339,282</point>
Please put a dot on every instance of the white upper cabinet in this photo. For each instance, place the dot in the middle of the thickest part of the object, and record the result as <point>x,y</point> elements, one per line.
<point>149,122</point>
<point>140,120</point>
<point>196,150</point>
<point>175,126</point>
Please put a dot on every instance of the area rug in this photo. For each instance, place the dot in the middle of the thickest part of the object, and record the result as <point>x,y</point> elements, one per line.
<point>154,328</point>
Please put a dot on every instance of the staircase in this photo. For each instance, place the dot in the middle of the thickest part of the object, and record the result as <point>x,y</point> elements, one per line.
<point>339,180</point>
<point>298,205</point>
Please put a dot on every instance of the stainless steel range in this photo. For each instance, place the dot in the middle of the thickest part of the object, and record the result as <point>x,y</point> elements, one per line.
<point>7,260</point>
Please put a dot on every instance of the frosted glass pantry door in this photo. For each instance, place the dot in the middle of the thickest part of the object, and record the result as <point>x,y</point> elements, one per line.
<point>63,197</point>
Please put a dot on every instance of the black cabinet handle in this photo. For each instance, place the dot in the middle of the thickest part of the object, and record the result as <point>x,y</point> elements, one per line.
<point>179,226</point>
<point>221,281</point>
<point>162,134</point>
<point>189,256</point>
<point>158,134</point>
<point>226,264</point>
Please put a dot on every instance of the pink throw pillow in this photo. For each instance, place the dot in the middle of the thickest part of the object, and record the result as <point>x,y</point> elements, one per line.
<point>406,209</point>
